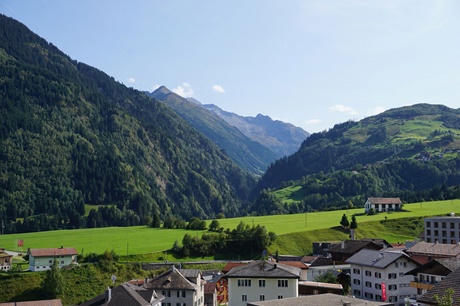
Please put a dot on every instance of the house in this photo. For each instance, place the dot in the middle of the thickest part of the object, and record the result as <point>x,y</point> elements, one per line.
<point>262,280</point>
<point>179,287</point>
<point>210,294</point>
<point>451,281</point>
<point>340,252</point>
<point>214,278</point>
<point>5,260</point>
<point>382,204</point>
<point>303,267</point>
<point>380,276</point>
<point>443,229</point>
<point>55,302</point>
<point>423,252</point>
<point>42,259</point>
<point>433,272</point>
<point>328,299</point>
<point>126,294</point>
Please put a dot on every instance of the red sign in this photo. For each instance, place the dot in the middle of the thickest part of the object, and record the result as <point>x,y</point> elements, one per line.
<point>21,242</point>
<point>384,292</point>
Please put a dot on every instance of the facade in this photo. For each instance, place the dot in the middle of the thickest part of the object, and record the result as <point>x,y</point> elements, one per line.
<point>428,275</point>
<point>42,259</point>
<point>210,294</point>
<point>382,204</point>
<point>180,287</point>
<point>5,260</point>
<point>126,294</point>
<point>444,230</point>
<point>262,280</point>
<point>380,276</point>
<point>450,282</point>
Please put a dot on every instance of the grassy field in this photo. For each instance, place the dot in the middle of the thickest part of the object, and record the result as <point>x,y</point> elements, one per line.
<point>142,240</point>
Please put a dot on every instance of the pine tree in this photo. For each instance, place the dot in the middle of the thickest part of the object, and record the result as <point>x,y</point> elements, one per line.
<point>344,222</point>
<point>53,284</point>
<point>353,224</point>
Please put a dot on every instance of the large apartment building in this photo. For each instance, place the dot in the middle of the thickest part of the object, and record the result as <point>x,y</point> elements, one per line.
<point>444,230</point>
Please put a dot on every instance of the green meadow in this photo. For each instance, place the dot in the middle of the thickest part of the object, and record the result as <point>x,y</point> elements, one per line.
<point>310,226</point>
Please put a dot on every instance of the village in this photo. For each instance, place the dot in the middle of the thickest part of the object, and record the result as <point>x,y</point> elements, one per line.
<point>368,271</point>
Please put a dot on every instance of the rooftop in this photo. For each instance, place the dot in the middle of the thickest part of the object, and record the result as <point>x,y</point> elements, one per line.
<point>53,252</point>
<point>329,299</point>
<point>264,268</point>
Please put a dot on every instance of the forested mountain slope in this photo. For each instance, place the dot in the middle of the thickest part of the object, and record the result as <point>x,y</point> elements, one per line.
<point>411,151</point>
<point>282,138</point>
<point>72,135</point>
<point>247,153</point>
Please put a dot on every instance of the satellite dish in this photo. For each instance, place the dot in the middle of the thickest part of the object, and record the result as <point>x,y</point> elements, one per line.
<point>113,278</point>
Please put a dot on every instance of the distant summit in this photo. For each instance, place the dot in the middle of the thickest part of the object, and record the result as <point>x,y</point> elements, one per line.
<point>280,137</point>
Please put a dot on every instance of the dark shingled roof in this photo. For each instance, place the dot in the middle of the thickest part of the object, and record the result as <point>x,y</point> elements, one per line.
<point>378,259</point>
<point>440,266</point>
<point>170,280</point>
<point>264,268</point>
<point>351,246</point>
<point>451,281</point>
<point>125,295</point>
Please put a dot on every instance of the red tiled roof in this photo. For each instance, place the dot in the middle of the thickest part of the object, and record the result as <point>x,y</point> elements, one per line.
<point>53,252</point>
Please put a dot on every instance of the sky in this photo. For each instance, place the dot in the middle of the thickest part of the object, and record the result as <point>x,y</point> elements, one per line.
<point>312,63</point>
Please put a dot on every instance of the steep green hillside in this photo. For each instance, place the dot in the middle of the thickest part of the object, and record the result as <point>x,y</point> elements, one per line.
<point>409,152</point>
<point>247,153</point>
<point>71,135</point>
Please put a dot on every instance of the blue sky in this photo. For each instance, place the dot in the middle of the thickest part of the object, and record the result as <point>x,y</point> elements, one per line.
<point>310,63</point>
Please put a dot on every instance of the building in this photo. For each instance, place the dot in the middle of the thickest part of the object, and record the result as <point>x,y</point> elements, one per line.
<point>126,294</point>
<point>55,302</point>
<point>313,288</point>
<point>214,278</point>
<point>451,281</point>
<point>5,260</point>
<point>433,272</point>
<point>42,259</point>
<point>444,230</point>
<point>423,252</point>
<point>262,280</point>
<point>380,276</point>
<point>210,294</point>
<point>328,299</point>
<point>340,252</point>
<point>180,287</point>
<point>382,204</point>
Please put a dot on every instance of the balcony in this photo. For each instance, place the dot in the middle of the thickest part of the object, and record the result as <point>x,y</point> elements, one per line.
<point>421,285</point>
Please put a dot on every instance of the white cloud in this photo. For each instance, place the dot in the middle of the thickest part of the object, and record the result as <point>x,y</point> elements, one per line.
<point>313,121</point>
<point>343,109</point>
<point>376,110</point>
<point>218,88</point>
<point>184,90</point>
<point>131,80</point>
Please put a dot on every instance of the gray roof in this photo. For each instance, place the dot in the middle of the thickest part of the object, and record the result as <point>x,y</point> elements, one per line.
<point>329,299</point>
<point>377,259</point>
<point>385,200</point>
<point>125,295</point>
<point>265,269</point>
<point>170,280</point>
<point>435,249</point>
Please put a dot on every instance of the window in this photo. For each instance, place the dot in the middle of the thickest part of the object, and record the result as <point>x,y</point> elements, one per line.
<point>244,297</point>
<point>181,304</point>
<point>181,293</point>
<point>436,224</point>
<point>396,264</point>
<point>165,304</point>
<point>261,282</point>
<point>428,224</point>
<point>401,274</point>
<point>356,292</point>
<point>428,232</point>
<point>166,293</point>
<point>368,295</point>
<point>368,273</point>
<point>356,281</point>
<point>452,225</point>
<point>392,287</point>
<point>392,298</point>
<point>50,261</point>
<point>62,262</point>
<point>369,284</point>
<point>244,283</point>
<point>378,286</point>
<point>404,264</point>
<point>261,297</point>
<point>378,275</point>
<point>282,283</point>
<point>378,297</point>
<point>356,271</point>
<point>392,275</point>
<point>280,297</point>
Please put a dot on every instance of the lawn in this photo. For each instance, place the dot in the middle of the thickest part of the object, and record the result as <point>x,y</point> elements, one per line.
<point>142,240</point>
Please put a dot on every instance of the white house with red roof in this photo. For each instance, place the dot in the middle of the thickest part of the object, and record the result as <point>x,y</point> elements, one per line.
<point>42,259</point>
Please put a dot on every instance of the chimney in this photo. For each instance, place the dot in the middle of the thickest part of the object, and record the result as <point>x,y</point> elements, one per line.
<point>274,266</point>
<point>352,234</point>
<point>342,244</point>
<point>108,294</point>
